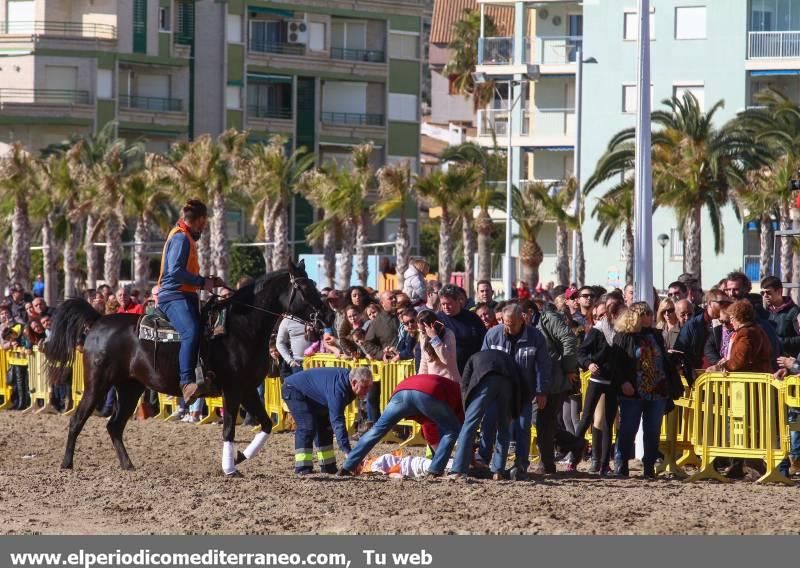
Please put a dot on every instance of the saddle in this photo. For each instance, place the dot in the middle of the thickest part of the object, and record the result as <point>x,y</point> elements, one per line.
<point>156,327</point>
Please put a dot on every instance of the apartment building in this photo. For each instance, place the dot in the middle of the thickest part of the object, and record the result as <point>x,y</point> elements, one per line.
<point>327,74</point>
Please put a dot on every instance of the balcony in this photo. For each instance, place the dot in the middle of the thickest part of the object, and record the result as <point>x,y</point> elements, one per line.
<point>156,104</point>
<point>60,29</point>
<point>44,96</point>
<point>556,50</point>
<point>773,45</point>
<point>542,127</point>
<point>352,118</point>
<point>277,48</point>
<point>265,111</point>
<point>46,104</point>
<point>364,55</point>
<point>496,51</point>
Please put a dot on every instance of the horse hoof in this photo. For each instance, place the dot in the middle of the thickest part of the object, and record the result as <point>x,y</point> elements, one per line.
<point>66,466</point>
<point>240,457</point>
<point>129,467</point>
<point>233,475</point>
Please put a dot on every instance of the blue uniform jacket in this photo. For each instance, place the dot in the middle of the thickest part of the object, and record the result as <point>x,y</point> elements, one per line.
<point>330,388</point>
<point>529,351</point>
<point>175,274</point>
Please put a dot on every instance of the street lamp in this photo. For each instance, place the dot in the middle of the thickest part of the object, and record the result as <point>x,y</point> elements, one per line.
<point>577,165</point>
<point>479,78</point>
<point>663,240</point>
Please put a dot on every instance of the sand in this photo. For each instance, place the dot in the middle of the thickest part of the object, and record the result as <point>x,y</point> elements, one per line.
<point>177,488</point>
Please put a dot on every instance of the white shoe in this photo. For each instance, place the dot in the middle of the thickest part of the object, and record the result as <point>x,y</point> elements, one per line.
<point>177,415</point>
<point>190,419</point>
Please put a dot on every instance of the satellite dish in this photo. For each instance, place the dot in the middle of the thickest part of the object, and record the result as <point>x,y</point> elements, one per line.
<point>543,13</point>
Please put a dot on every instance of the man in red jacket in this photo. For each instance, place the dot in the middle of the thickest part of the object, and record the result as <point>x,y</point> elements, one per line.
<point>431,400</point>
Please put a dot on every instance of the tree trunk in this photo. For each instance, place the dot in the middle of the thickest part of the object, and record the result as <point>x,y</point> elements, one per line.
<point>113,256</point>
<point>445,247</point>
<point>92,252</point>
<point>346,255</point>
<point>628,250</point>
<point>3,267</point>
<point>468,241</point>
<point>71,271</point>
<point>21,243</point>
<point>204,254</point>
<point>580,278</point>
<point>280,258</point>
<point>562,255</point>
<point>531,257</point>
<point>141,261</point>
<point>484,226</point>
<point>402,248</point>
<point>362,259</point>
<point>795,214</point>
<point>786,245</point>
<point>767,236</point>
<point>50,258</point>
<point>219,237</point>
<point>692,241</point>
<point>266,223</point>
<point>329,255</point>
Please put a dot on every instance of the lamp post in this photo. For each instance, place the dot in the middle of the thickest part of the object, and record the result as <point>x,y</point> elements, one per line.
<point>663,240</point>
<point>577,164</point>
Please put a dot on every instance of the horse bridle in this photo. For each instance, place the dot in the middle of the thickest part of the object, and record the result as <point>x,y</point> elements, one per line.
<point>294,282</point>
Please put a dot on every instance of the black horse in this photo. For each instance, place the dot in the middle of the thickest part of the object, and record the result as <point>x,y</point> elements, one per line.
<point>114,356</point>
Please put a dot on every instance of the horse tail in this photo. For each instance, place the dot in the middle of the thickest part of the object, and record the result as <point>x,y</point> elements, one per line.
<point>72,320</point>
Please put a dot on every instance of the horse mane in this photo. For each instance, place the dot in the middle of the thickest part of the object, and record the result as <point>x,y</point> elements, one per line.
<point>248,293</point>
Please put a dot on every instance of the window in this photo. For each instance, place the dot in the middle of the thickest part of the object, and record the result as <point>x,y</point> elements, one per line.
<point>104,84</point>
<point>630,26</point>
<point>690,22</point>
<point>267,33</point>
<point>234,28</point>
<point>697,89</point>
<point>316,36</point>
<point>270,99</point>
<point>349,35</point>
<point>140,26</point>
<point>344,97</point>
<point>184,22</point>
<point>403,45</point>
<point>403,107</point>
<point>233,97</point>
<point>164,21</point>
<point>21,15</point>
<point>629,98</point>
<point>675,244</point>
<point>61,77</point>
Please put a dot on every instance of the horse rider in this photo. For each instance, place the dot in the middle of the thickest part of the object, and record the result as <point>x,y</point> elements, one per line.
<point>179,284</point>
<point>317,399</point>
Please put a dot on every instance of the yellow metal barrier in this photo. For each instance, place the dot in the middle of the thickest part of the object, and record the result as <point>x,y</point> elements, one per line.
<point>78,373</point>
<point>274,404</point>
<point>740,415</point>
<point>5,390</point>
<point>37,381</point>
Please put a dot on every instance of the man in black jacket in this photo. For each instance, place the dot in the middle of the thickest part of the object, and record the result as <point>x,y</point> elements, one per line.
<point>490,379</point>
<point>465,325</point>
<point>692,339</point>
<point>783,314</point>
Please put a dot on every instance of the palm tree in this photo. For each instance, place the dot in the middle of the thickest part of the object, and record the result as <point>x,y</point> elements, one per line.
<point>442,189</point>
<point>493,165</point>
<point>775,122</point>
<point>395,194</point>
<point>255,172</point>
<point>696,165</point>
<point>223,185</point>
<point>555,200</point>
<point>530,216</point>
<point>364,176</point>
<point>120,162</point>
<point>464,206</point>
<point>86,153</point>
<point>281,175</point>
<point>464,58</point>
<point>17,175</point>
<point>319,187</point>
<point>758,203</point>
<point>147,201</point>
<point>614,210</point>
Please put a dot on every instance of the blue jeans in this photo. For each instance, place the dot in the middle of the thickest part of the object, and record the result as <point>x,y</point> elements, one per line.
<point>404,404</point>
<point>489,401</point>
<point>184,315</point>
<point>632,411</point>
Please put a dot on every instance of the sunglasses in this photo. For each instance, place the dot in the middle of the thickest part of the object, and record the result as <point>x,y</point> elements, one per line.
<point>587,296</point>
<point>674,295</point>
<point>767,292</point>
<point>669,311</point>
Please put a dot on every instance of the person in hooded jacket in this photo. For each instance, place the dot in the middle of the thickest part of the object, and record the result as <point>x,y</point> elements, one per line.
<point>414,283</point>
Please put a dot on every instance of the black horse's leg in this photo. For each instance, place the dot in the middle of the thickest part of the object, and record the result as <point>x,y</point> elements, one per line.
<point>127,396</point>
<point>92,394</point>
<point>255,407</point>
<point>232,400</point>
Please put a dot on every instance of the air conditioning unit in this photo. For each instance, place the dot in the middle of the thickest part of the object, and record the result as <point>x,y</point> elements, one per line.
<point>298,32</point>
